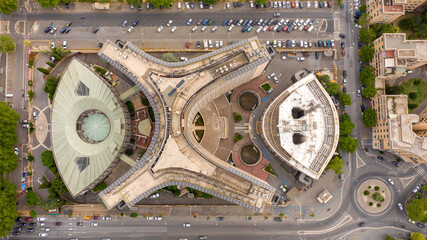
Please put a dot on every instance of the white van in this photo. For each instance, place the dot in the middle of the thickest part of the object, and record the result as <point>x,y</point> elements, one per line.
<point>9,95</point>
<point>310,29</point>
<point>205,44</point>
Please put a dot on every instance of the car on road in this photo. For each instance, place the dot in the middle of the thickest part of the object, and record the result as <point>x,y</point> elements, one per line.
<point>30,229</point>
<point>361,224</point>
<point>46,229</point>
<point>158,218</point>
<point>276,14</point>
<point>203,237</point>
<point>16,233</point>
<point>22,224</point>
<point>17,229</point>
<point>362,107</point>
<point>150,218</point>
<point>135,23</point>
<point>160,29</point>
<point>220,218</point>
<point>64,44</point>
<point>186,225</point>
<point>94,224</point>
<point>342,45</point>
<point>28,219</point>
<point>32,224</point>
<point>80,224</point>
<point>42,234</point>
<point>189,22</point>
<point>96,217</point>
<point>169,23</point>
<point>420,225</point>
<point>125,23</point>
<point>399,205</point>
<point>416,189</point>
<point>342,35</point>
<point>58,224</point>
<point>395,163</point>
<point>390,181</point>
<point>156,195</point>
<point>277,219</point>
<point>379,158</point>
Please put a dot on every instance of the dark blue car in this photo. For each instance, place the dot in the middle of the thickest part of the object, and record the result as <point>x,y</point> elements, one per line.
<point>359,45</point>
<point>342,45</point>
<point>225,23</point>
<point>205,22</point>
<point>244,29</point>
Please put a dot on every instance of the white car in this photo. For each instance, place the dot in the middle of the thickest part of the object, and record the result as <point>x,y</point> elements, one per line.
<point>186,225</point>
<point>160,29</point>
<point>150,218</point>
<point>216,44</point>
<point>259,30</point>
<point>158,218</point>
<point>64,44</point>
<point>308,4</point>
<point>169,23</point>
<point>214,29</point>
<point>194,28</point>
<point>94,224</point>
<point>41,219</point>
<point>221,44</point>
<point>16,151</point>
<point>42,224</point>
<point>231,27</point>
<point>189,22</point>
<point>399,205</point>
<point>390,181</point>
<point>179,6</point>
<point>358,26</point>
<point>106,218</point>
<point>52,45</point>
<point>46,229</point>
<point>265,28</point>
<point>156,195</point>
<point>228,5</point>
<point>42,234</point>
<point>173,29</point>
<point>187,5</point>
<point>315,4</point>
<point>130,29</point>
<point>203,28</point>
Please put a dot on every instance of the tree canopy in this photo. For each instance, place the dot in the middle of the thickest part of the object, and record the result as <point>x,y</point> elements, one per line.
<point>417,236</point>
<point>7,6</point>
<point>367,52</point>
<point>345,99</point>
<point>8,212</point>
<point>335,165</point>
<point>366,35</point>
<point>261,2</point>
<point>369,91</point>
<point>367,76</point>
<point>49,161</point>
<point>381,28</point>
<point>32,198</point>
<point>416,209</point>
<point>59,186</point>
<point>388,237</point>
<point>346,125</point>
<point>332,88</point>
<point>369,117</point>
<point>161,3</point>
<point>6,44</point>
<point>48,3</point>
<point>348,144</point>
<point>9,122</point>
<point>8,160</point>
<point>50,86</point>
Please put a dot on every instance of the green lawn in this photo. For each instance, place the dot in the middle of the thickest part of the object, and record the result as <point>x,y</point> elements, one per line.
<point>270,170</point>
<point>420,90</point>
<point>265,87</point>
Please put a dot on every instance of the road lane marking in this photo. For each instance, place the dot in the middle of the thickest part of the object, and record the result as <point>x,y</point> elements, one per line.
<point>343,221</point>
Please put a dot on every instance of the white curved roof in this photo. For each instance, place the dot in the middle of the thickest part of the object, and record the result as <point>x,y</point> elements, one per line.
<point>80,162</point>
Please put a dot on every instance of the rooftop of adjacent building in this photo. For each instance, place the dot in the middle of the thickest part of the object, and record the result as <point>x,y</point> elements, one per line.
<point>396,44</point>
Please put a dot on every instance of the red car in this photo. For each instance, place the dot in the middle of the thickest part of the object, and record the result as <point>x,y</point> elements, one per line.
<point>29,219</point>
<point>285,28</point>
<point>293,4</point>
<point>58,224</point>
<point>343,53</point>
<point>96,217</point>
<point>199,22</point>
<point>271,28</point>
<point>187,45</point>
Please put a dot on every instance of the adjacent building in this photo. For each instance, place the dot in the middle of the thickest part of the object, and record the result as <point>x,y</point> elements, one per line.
<point>386,11</point>
<point>395,55</point>
<point>301,126</point>
<point>397,131</point>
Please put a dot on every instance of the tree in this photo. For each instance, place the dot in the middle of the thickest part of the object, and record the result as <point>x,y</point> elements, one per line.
<point>367,53</point>
<point>101,186</point>
<point>33,214</point>
<point>51,84</point>
<point>27,43</point>
<point>43,70</point>
<point>8,211</point>
<point>366,35</point>
<point>60,52</point>
<point>362,8</point>
<point>393,90</point>
<point>367,76</point>
<point>346,125</point>
<point>133,215</point>
<point>417,236</point>
<point>169,57</point>
<point>51,204</point>
<point>421,30</point>
<point>8,160</point>
<point>332,88</point>
<point>7,6</point>
<point>6,44</point>
<point>369,91</point>
<point>381,28</point>
<point>388,237</point>
<point>406,24</point>
<point>369,117</point>
<point>134,2</point>
<point>48,3</point>
<point>261,2</point>
<point>49,161</point>
<point>44,185</point>
<point>59,186</point>
<point>32,198</point>
<point>345,99</point>
<point>363,19</point>
<point>9,122</point>
<point>30,94</point>
<point>161,3</point>
<point>336,165</point>
<point>209,1</point>
<point>416,209</point>
<point>324,78</point>
<point>348,144</point>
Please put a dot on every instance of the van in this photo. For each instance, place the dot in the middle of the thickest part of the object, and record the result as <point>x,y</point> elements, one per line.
<point>9,95</point>
<point>205,44</point>
<point>310,29</point>
<point>183,59</point>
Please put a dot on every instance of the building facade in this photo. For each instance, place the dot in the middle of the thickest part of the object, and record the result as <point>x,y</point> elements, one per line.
<point>386,11</point>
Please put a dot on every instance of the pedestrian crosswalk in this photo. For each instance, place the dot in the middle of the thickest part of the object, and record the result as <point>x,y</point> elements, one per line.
<point>421,171</point>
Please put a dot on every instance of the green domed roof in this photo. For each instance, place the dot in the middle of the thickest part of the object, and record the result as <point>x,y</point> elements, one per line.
<point>96,127</point>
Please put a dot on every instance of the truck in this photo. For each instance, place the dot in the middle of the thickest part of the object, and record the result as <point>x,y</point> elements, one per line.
<point>205,44</point>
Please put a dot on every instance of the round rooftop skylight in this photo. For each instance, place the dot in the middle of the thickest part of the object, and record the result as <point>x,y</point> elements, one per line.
<point>96,127</point>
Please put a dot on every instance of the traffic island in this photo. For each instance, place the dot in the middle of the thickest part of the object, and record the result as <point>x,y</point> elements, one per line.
<point>373,196</point>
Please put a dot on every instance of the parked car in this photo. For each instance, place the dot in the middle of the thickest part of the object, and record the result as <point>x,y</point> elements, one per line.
<point>80,224</point>
<point>58,224</point>
<point>344,74</point>
<point>342,45</point>
<point>42,234</point>
<point>87,218</point>
<point>94,224</point>
<point>395,163</point>
<point>156,195</point>
<point>169,23</point>
<point>420,225</point>
<point>186,225</point>
<point>125,23</point>
<point>28,219</point>
<point>277,219</point>
<point>416,189</point>
<point>96,217</point>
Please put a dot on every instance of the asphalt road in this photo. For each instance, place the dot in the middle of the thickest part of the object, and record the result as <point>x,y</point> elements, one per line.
<point>340,224</point>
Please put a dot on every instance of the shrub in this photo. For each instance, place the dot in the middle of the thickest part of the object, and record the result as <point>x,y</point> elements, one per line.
<point>129,151</point>
<point>122,214</point>
<point>376,188</point>
<point>377,196</point>
<point>44,71</point>
<point>371,204</point>
<point>237,137</point>
<point>30,94</point>
<point>266,87</point>
<point>417,82</point>
<point>30,156</point>
<point>130,106</point>
<point>366,192</point>
<point>133,215</point>
<point>44,185</point>
<point>412,95</point>
<point>30,83</point>
<point>57,57</point>
<point>237,117</point>
<point>144,101</point>
<point>29,173</point>
<point>30,63</point>
<point>33,214</point>
<point>101,186</point>
<point>369,187</point>
<point>31,127</point>
<point>51,64</point>
<point>378,204</point>
<point>100,70</point>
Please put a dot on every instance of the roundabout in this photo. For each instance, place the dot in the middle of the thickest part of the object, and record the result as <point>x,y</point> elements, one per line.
<point>373,196</point>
